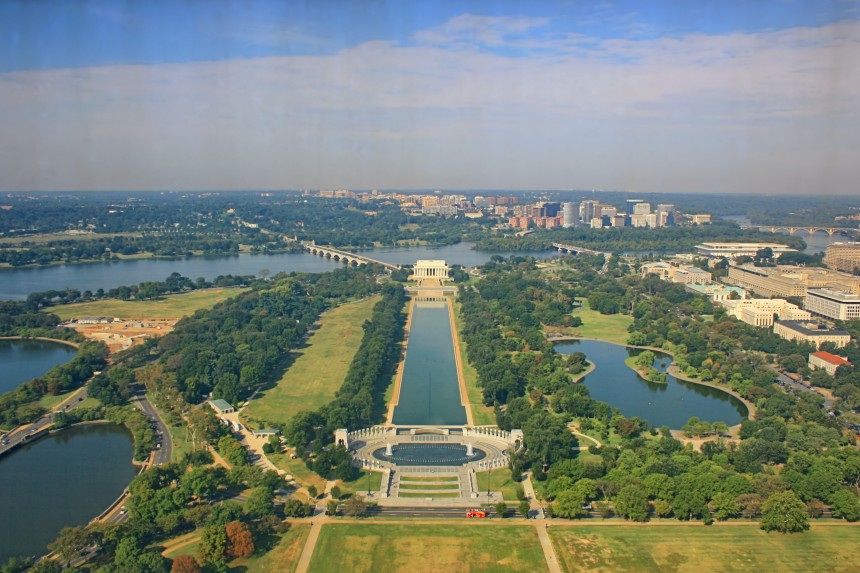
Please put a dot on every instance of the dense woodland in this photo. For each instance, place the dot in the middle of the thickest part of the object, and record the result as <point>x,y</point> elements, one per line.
<point>792,460</point>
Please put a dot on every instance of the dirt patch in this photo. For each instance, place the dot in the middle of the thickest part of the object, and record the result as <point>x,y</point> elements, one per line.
<point>124,334</point>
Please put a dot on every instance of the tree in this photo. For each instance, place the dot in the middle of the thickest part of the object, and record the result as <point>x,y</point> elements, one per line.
<point>568,503</point>
<point>784,512</point>
<point>185,564</point>
<point>525,508</point>
<point>70,542</point>
<point>47,566</point>
<point>335,492</point>
<point>240,541</point>
<point>845,505</point>
<point>260,502</point>
<point>501,508</point>
<point>213,544</point>
<point>355,506</point>
<point>725,506</point>
<point>632,503</point>
<point>331,506</point>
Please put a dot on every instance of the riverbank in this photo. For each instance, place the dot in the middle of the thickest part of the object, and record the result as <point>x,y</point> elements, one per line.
<point>74,345</point>
<point>673,370</point>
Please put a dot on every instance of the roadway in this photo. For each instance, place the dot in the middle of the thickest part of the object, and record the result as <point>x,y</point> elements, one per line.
<point>793,386</point>
<point>25,433</point>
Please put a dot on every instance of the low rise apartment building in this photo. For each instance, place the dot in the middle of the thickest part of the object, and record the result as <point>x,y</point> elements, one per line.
<point>806,331</point>
<point>761,311</point>
<point>832,303</point>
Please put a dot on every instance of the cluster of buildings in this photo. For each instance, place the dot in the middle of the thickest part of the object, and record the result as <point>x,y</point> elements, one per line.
<point>825,294</point>
<point>541,214</point>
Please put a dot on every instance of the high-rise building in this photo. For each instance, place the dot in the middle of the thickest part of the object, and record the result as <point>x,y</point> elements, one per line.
<point>551,209</point>
<point>570,213</point>
<point>642,208</point>
<point>665,215</point>
<point>587,210</point>
<point>631,205</point>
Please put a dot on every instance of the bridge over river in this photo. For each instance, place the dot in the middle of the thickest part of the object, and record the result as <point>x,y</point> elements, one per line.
<point>345,256</point>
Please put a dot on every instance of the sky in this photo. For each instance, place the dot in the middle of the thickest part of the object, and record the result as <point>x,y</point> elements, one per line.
<point>729,96</point>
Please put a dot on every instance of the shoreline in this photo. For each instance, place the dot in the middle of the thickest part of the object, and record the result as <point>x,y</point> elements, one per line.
<point>751,409</point>
<point>75,345</point>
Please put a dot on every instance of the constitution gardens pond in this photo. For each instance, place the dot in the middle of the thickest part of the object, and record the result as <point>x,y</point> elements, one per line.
<point>24,360</point>
<point>670,404</point>
<point>63,480</point>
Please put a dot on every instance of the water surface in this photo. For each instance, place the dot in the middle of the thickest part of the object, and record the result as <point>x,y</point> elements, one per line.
<point>430,390</point>
<point>23,360</point>
<point>60,481</point>
<point>669,404</point>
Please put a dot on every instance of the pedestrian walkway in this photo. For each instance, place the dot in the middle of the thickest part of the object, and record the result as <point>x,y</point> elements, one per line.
<point>548,549</point>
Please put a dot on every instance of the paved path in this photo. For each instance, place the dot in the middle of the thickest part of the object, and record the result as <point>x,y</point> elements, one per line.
<point>311,543</point>
<point>548,550</point>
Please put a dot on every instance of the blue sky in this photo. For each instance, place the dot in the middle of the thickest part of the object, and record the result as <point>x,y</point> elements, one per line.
<point>672,96</point>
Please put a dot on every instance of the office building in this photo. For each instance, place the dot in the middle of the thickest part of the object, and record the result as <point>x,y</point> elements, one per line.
<point>832,303</point>
<point>761,311</point>
<point>732,250</point>
<point>570,214</point>
<point>806,331</point>
<point>843,256</point>
<point>789,280</point>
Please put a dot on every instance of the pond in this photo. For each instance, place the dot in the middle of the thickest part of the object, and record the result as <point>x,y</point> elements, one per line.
<point>62,480</point>
<point>670,404</point>
<point>24,360</point>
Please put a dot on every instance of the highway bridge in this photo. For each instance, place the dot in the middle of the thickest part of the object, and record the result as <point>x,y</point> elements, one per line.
<point>574,250</point>
<point>344,256</point>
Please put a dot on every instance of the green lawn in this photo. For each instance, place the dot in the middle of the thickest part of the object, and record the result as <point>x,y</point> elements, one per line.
<point>481,415</point>
<point>360,485</point>
<point>388,548</point>
<point>48,401</point>
<point>430,486</point>
<point>318,369</point>
<point>724,548</point>
<point>282,558</point>
<point>299,470</point>
<point>500,480</point>
<point>172,306</point>
<point>609,327</point>
<point>432,494</point>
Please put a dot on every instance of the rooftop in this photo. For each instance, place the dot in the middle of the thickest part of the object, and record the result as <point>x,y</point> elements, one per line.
<point>831,358</point>
<point>810,328</point>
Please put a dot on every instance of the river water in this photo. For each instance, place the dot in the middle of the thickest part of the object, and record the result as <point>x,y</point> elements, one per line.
<point>60,481</point>
<point>430,390</point>
<point>23,360</point>
<point>16,284</point>
<point>669,404</point>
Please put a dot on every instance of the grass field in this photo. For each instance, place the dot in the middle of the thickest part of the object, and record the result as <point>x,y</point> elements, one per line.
<point>47,237</point>
<point>431,494</point>
<point>319,368</point>
<point>172,306</point>
<point>414,548</point>
<point>500,480</point>
<point>299,471</point>
<point>282,558</point>
<point>481,415</point>
<point>360,485</point>
<point>609,327</point>
<point>693,549</point>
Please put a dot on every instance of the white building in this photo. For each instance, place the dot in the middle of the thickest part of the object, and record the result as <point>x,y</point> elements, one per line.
<point>761,311</point>
<point>733,250</point>
<point>429,268</point>
<point>813,332</point>
<point>832,303</point>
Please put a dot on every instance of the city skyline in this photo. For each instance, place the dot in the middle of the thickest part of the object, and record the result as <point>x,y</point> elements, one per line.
<point>717,97</point>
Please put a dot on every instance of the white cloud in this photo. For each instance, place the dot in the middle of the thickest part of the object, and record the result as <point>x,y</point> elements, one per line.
<point>735,112</point>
